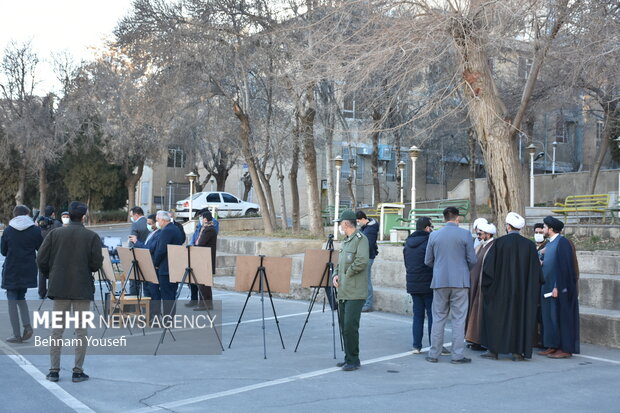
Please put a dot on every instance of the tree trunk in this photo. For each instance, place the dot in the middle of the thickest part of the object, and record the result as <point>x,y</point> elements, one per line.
<point>283,216</point>
<point>374,159</point>
<point>247,185</point>
<point>329,157</point>
<point>264,178</point>
<point>21,186</point>
<point>244,137</point>
<point>130,183</point>
<point>292,177</point>
<point>42,188</point>
<point>350,184</point>
<point>471,140</point>
<point>488,115</point>
<point>307,133</point>
<point>609,112</point>
<point>494,129</point>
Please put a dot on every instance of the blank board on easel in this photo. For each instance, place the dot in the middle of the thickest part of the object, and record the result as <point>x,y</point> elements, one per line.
<point>145,262</point>
<point>278,270</point>
<point>199,259</point>
<point>106,267</point>
<point>315,262</point>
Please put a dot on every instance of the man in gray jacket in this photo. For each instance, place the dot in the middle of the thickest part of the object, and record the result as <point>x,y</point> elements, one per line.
<point>68,257</point>
<point>450,252</point>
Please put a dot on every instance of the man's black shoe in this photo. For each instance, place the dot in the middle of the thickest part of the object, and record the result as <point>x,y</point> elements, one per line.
<point>464,360</point>
<point>27,333</point>
<point>350,367</point>
<point>431,359</point>
<point>52,376</point>
<point>489,355</point>
<point>191,303</point>
<point>517,357</point>
<point>341,364</point>
<point>78,377</point>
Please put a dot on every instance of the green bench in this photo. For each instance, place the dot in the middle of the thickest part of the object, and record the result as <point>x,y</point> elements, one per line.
<point>327,215</point>
<point>435,214</point>
<point>580,204</point>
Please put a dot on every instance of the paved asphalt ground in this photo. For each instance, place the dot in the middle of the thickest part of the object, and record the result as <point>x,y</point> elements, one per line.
<point>240,379</point>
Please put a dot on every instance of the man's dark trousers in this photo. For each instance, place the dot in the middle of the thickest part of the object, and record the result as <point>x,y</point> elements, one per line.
<point>349,312</point>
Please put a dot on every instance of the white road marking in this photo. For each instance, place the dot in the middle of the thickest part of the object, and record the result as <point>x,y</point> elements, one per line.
<point>57,391</point>
<point>270,383</point>
<point>597,358</point>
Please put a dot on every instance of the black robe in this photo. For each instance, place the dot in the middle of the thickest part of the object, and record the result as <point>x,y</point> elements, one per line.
<point>568,305</point>
<point>511,281</point>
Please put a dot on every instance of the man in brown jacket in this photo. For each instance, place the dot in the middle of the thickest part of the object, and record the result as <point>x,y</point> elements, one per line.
<point>68,257</point>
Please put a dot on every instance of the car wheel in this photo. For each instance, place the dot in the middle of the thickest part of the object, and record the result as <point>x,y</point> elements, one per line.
<point>251,212</point>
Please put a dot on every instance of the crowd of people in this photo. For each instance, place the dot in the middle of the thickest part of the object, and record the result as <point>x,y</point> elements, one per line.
<point>35,251</point>
<point>504,296</point>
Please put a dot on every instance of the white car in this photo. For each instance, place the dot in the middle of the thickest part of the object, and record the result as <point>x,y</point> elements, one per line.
<point>225,204</point>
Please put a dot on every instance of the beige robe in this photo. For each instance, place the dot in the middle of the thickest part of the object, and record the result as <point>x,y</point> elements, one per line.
<point>474,314</point>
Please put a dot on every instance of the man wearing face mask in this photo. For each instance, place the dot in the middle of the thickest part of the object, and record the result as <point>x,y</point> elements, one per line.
<point>64,217</point>
<point>350,278</point>
<point>140,232</point>
<point>150,244</point>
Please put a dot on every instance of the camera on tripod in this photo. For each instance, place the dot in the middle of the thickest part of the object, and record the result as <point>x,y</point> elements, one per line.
<point>45,222</point>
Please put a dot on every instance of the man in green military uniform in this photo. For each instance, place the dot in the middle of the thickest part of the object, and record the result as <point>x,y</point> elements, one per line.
<point>350,278</point>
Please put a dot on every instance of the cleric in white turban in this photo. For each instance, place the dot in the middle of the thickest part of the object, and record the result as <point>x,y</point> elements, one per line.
<point>515,221</point>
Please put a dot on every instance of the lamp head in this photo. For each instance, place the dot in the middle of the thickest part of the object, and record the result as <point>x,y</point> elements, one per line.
<point>191,176</point>
<point>531,148</point>
<point>338,161</point>
<point>414,151</point>
<point>401,166</point>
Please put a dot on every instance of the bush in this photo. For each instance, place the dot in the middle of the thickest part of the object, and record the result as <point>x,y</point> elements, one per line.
<point>117,215</point>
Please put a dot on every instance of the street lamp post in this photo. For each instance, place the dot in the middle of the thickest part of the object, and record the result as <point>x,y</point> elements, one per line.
<point>555,144</point>
<point>338,161</point>
<point>413,154</point>
<point>532,150</point>
<point>170,183</point>
<point>192,177</point>
<point>617,140</point>
<point>401,168</point>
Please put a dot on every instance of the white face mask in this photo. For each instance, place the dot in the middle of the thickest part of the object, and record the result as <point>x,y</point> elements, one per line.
<point>341,231</point>
<point>539,238</point>
<point>65,220</point>
<point>158,225</point>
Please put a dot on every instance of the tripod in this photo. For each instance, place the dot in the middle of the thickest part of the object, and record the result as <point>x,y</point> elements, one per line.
<point>189,272</point>
<point>102,279</point>
<point>261,276</point>
<point>139,277</point>
<point>330,292</point>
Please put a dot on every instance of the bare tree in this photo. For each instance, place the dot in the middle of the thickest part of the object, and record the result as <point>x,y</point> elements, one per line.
<point>30,140</point>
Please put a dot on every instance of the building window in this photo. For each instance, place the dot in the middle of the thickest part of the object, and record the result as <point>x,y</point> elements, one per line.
<point>176,157</point>
<point>560,131</point>
<point>600,127</point>
<point>525,67</point>
<point>348,107</point>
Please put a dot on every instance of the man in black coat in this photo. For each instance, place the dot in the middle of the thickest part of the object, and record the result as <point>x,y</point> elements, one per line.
<point>419,277</point>
<point>68,257</point>
<point>370,228</point>
<point>165,290</point>
<point>20,241</point>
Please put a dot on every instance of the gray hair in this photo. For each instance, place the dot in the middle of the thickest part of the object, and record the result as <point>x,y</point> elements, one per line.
<point>164,215</point>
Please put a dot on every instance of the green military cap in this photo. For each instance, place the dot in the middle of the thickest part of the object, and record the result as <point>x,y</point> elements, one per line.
<point>347,215</point>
